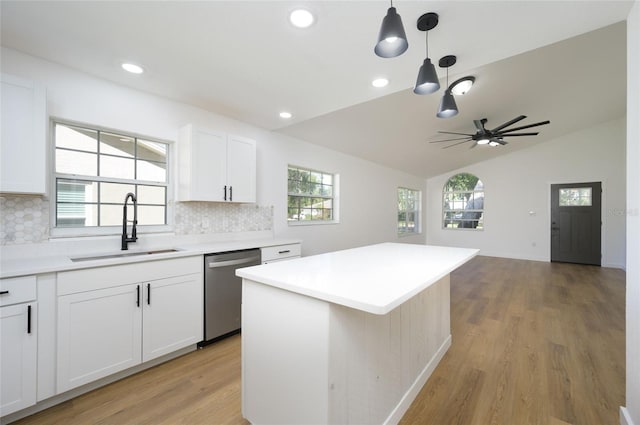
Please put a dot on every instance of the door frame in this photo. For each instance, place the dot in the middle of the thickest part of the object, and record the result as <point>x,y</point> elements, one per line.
<point>603,208</point>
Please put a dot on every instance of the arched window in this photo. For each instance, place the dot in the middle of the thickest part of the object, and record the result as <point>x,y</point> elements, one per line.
<point>463,202</point>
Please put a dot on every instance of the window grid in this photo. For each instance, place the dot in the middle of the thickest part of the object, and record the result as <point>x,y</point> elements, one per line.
<point>575,197</point>
<point>408,211</point>
<point>310,195</point>
<point>463,202</point>
<point>68,204</point>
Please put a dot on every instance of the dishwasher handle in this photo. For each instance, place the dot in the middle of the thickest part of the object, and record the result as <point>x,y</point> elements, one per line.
<point>214,264</point>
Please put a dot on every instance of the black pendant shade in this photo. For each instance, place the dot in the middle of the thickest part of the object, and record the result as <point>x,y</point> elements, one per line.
<point>448,107</point>
<point>427,81</point>
<point>392,41</point>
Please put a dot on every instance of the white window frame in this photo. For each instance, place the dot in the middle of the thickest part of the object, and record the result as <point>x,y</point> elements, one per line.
<point>417,211</point>
<point>462,192</point>
<point>335,198</point>
<point>68,232</point>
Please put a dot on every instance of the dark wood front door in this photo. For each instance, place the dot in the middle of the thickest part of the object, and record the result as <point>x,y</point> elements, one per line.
<point>576,223</point>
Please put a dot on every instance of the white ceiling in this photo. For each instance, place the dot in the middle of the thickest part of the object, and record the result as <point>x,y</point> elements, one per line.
<point>244,60</point>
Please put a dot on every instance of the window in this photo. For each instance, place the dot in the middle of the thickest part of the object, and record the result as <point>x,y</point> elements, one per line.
<point>463,202</point>
<point>311,196</point>
<point>408,211</point>
<point>575,197</point>
<point>94,171</point>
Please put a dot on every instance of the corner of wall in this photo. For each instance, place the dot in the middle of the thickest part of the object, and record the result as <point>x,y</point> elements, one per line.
<point>625,419</point>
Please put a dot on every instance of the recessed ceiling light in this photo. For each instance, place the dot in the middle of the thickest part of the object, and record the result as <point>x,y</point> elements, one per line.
<point>132,68</point>
<point>301,18</point>
<point>380,82</point>
<point>285,115</point>
<point>461,86</point>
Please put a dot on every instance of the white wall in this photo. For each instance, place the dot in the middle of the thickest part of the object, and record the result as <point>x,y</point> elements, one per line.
<point>633,217</point>
<point>367,191</point>
<point>519,183</point>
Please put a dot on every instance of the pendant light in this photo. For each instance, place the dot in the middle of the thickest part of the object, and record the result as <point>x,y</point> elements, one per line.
<point>427,81</point>
<point>392,40</point>
<point>448,107</point>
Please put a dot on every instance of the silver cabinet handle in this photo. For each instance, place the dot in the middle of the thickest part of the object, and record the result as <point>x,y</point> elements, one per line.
<point>214,265</point>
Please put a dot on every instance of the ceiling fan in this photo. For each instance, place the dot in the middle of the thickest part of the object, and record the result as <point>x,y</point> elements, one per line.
<point>493,137</point>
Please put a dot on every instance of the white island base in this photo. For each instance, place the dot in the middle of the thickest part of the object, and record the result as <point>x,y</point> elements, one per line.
<point>347,337</point>
<point>308,361</point>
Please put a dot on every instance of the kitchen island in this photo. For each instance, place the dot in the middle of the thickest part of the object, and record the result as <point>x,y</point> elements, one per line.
<point>344,337</point>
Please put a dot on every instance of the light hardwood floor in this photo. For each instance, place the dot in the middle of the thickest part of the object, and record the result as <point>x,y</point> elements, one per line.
<point>533,343</point>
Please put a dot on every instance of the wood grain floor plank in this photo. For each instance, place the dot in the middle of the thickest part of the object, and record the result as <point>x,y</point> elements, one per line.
<point>533,343</point>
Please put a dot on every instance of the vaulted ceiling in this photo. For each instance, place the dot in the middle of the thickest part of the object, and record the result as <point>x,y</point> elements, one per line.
<point>557,60</point>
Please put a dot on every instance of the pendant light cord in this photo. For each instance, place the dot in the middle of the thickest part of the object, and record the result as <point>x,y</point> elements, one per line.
<point>427,43</point>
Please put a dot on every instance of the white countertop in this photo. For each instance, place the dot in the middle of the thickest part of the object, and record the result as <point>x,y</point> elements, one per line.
<point>375,279</point>
<point>38,264</point>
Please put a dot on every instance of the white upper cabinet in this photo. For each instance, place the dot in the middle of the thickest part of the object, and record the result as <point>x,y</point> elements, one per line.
<point>215,167</point>
<point>241,169</point>
<point>23,151</point>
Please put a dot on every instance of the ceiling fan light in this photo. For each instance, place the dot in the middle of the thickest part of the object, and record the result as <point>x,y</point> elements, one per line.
<point>462,86</point>
<point>392,40</point>
<point>493,144</point>
<point>483,141</point>
<point>427,81</point>
<point>448,107</point>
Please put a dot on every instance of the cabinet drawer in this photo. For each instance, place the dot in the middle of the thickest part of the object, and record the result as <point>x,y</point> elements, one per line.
<point>76,281</point>
<point>17,290</point>
<point>271,253</point>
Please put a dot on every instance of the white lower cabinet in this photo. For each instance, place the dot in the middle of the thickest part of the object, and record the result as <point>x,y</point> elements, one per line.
<point>18,357</point>
<point>104,331</point>
<point>99,333</point>
<point>18,345</point>
<point>171,319</point>
<point>272,254</point>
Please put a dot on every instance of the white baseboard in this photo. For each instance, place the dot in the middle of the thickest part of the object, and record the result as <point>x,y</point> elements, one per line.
<point>625,417</point>
<point>412,392</point>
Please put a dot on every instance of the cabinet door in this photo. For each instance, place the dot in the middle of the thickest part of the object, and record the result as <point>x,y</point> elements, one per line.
<point>241,169</point>
<point>18,354</point>
<point>99,333</point>
<point>202,158</point>
<point>173,315</point>
<point>23,141</point>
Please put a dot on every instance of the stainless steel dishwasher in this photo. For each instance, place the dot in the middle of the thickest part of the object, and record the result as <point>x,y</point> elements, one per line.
<point>223,292</point>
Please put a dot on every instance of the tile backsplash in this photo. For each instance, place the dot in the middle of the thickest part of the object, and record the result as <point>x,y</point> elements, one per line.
<point>192,218</point>
<point>25,219</point>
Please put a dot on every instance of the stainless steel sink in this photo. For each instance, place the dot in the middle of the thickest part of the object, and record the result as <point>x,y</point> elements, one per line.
<point>124,254</point>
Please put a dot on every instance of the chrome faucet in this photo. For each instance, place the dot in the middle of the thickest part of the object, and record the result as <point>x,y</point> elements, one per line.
<point>125,238</point>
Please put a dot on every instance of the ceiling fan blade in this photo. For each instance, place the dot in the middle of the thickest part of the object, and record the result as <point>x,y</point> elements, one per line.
<point>449,140</point>
<point>451,132</point>
<point>479,125</point>
<point>473,145</point>
<point>526,126</point>
<point>502,142</point>
<point>456,144</point>
<point>518,134</point>
<point>507,124</point>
